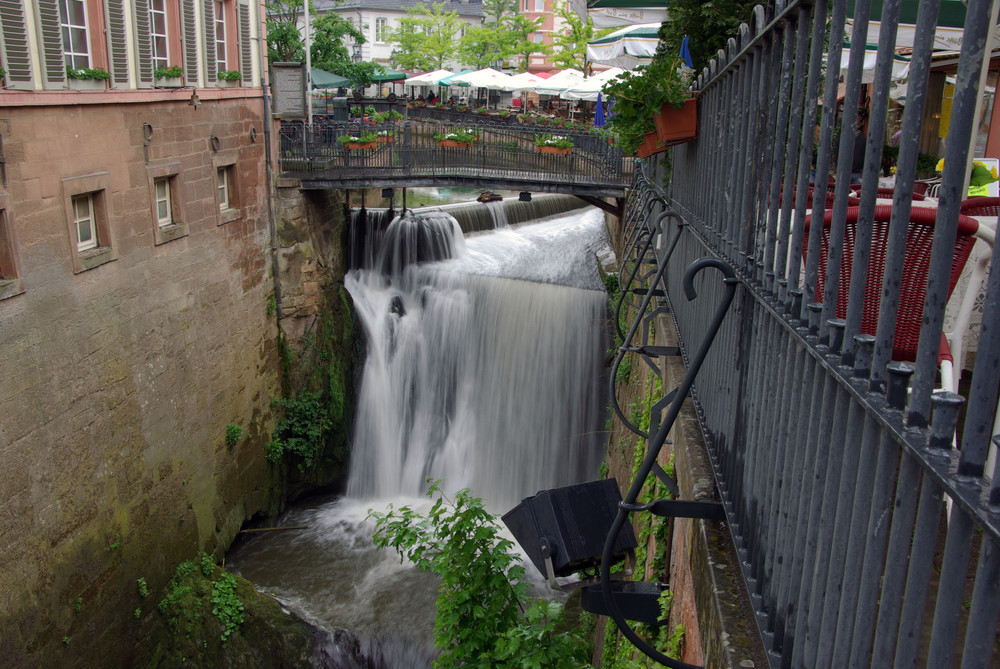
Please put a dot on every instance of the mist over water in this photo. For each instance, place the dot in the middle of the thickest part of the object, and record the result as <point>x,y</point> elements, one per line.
<point>485,370</point>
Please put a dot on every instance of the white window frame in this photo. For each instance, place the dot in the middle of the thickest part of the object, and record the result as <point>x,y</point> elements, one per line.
<point>381,29</point>
<point>164,208</point>
<point>89,219</point>
<point>73,58</point>
<point>539,5</point>
<point>223,183</point>
<point>158,9</point>
<point>221,54</point>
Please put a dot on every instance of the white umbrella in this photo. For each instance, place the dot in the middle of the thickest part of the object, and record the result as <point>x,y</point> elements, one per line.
<point>561,81</point>
<point>485,78</point>
<point>900,65</point>
<point>592,86</point>
<point>628,47</point>
<point>428,78</point>
<point>525,81</point>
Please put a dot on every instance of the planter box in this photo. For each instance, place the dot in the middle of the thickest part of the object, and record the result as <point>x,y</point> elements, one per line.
<point>386,139</point>
<point>676,126</point>
<point>223,83</point>
<point>87,84</point>
<point>652,143</point>
<point>558,150</point>
<point>361,145</point>
<point>453,143</point>
<point>170,82</point>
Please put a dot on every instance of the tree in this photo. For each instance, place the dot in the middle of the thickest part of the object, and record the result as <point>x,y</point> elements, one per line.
<point>426,37</point>
<point>524,29</point>
<point>482,46</point>
<point>708,26</point>
<point>570,45</point>
<point>327,49</point>
<point>496,12</point>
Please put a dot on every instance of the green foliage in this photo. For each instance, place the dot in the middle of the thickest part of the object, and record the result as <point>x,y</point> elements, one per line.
<point>207,564</point>
<point>78,604</point>
<point>143,587</point>
<point>482,46</point>
<point>230,75</point>
<point>570,44</point>
<point>233,434</point>
<point>639,95</point>
<point>98,73</point>
<point>168,72</point>
<point>926,163</point>
<point>360,138</point>
<point>272,305</point>
<point>468,136</point>
<point>137,614</point>
<point>426,37</point>
<point>526,47</point>
<point>302,430</point>
<point>478,621</point>
<point>558,141</point>
<point>708,25</point>
<point>226,606</point>
<point>116,544</point>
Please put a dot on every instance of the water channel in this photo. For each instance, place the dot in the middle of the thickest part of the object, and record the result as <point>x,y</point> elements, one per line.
<point>484,369</point>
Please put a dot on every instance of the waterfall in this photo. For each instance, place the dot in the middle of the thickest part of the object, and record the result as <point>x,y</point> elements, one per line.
<point>484,370</point>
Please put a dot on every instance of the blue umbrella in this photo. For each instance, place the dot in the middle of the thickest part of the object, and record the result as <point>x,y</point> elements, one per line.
<point>686,53</point>
<point>599,112</point>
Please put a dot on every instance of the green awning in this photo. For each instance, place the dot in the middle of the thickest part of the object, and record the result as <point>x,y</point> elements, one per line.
<point>390,74</point>
<point>324,79</point>
<point>659,4</point>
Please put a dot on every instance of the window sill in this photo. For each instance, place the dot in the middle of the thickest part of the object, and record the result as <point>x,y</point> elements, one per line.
<point>169,233</point>
<point>92,258</point>
<point>229,215</point>
<point>10,288</point>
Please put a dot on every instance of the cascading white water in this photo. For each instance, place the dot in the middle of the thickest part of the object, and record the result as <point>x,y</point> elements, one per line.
<point>490,383</point>
<point>484,369</point>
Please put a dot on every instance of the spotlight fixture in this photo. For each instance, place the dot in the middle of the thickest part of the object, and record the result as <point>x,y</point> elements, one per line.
<point>387,193</point>
<point>524,196</point>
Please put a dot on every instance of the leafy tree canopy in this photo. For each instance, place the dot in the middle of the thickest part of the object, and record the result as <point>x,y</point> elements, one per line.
<point>524,29</point>
<point>570,45</point>
<point>426,37</point>
<point>484,45</point>
<point>708,26</point>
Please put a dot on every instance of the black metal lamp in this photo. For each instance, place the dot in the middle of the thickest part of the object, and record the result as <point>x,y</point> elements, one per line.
<point>356,56</point>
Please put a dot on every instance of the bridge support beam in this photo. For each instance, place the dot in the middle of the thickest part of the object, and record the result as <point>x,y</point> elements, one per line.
<point>616,209</point>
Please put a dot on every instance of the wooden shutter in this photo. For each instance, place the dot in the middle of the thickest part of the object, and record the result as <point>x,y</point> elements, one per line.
<point>50,36</point>
<point>117,42</point>
<point>246,46</point>
<point>209,16</point>
<point>14,38</point>
<point>189,20</point>
<point>143,46</point>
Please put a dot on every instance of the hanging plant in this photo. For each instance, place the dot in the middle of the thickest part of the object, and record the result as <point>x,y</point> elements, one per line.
<point>641,94</point>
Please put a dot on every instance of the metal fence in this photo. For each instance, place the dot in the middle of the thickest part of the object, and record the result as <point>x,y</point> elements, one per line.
<point>858,495</point>
<point>408,149</point>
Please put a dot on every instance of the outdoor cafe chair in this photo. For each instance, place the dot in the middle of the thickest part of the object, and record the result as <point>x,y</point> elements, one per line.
<point>889,193</point>
<point>980,206</point>
<point>916,266</point>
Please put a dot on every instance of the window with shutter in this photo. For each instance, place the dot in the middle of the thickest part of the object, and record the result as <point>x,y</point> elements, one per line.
<point>246,53</point>
<point>117,42</point>
<point>143,47</point>
<point>17,56</point>
<point>210,54</point>
<point>50,29</point>
<point>190,23</point>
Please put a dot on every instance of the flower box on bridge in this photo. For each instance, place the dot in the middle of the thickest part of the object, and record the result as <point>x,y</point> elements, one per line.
<point>360,145</point>
<point>558,150</point>
<point>453,143</point>
<point>676,126</point>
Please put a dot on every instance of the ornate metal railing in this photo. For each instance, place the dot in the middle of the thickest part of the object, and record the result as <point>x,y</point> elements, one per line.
<point>862,504</point>
<point>408,150</point>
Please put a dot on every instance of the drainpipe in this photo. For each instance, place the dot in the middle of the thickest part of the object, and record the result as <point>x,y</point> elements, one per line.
<point>269,168</point>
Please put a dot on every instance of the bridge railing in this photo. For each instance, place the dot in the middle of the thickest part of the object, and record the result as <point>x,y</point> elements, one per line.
<point>861,501</point>
<point>414,148</point>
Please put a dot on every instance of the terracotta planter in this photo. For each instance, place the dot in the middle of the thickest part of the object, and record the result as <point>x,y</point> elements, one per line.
<point>676,126</point>
<point>385,139</point>
<point>651,141</point>
<point>360,145</point>
<point>453,143</point>
<point>642,151</point>
<point>558,150</point>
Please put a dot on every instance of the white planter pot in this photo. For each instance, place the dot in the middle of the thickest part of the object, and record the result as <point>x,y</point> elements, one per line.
<point>222,83</point>
<point>87,84</point>
<point>169,82</point>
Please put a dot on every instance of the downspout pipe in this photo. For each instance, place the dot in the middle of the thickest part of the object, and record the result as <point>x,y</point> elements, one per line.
<point>269,167</point>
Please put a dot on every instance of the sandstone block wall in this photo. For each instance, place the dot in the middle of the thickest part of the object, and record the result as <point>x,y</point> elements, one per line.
<point>117,382</point>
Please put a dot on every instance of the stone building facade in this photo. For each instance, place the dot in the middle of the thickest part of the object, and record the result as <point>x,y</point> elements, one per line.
<point>136,311</point>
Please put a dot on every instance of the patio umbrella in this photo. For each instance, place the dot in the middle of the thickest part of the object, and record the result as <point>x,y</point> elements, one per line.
<point>486,78</point>
<point>450,79</point>
<point>561,81</point>
<point>428,78</point>
<point>525,81</point>
<point>686,52</point>
<point>947,37</point>
<point>389,74</point>
<point>627,47</point>
<point>593,86</point>
<point>324,79</point>
<point>599,119</point>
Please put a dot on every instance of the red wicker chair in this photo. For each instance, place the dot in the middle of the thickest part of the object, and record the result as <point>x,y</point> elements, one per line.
<point>915,270</point>
<point>889,193</point>
<point>981,206</point>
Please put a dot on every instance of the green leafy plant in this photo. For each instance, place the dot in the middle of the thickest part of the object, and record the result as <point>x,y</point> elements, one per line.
<point>137,614</point>
<point>478,621</point>
<point>78,604</point>
<point>360,138</point>
<point>207,565</point>
<point>639,95</point>
<point>233,434</point>
<point>98,73</point>
<point>230,75</point>
<point>116,544</point>
<point>355,110</point>
<point>168,72</point>
<point>558,141</point>
<point>302,430</point>
<point>226,606</point>
<point>143,587</point>
<point>370,110</point>
<point>272,305</point>
<point>466,136</point>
